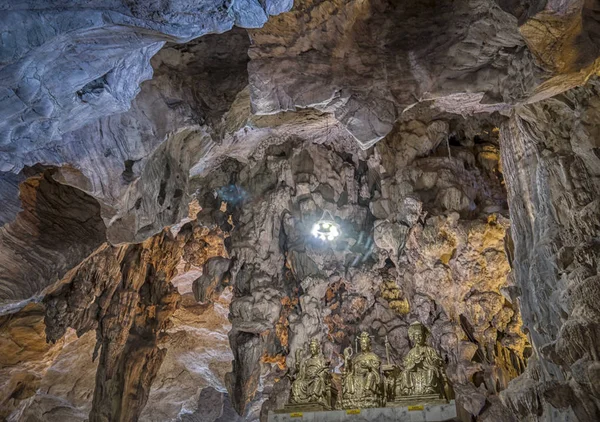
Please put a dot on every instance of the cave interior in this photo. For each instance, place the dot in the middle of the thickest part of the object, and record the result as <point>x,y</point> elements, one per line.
<point>162,164</point>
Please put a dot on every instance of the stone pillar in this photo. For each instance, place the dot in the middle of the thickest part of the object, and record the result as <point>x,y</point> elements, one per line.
<point>551,162</point>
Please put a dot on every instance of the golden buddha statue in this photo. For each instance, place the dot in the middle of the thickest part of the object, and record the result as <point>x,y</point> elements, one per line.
<point>312,381</point>
<point>423,377</point>
<point>361,381</point>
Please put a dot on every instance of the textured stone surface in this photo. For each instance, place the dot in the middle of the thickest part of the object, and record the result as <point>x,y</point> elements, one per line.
<point>38,377</point>
<point>40,380</point>
<point>58,227</point>
<point>254,138</point>
<point>125,294</point>
<point>469,55</point>
<point>133,164</point>
<point>64,64</point>
<point>553,190</point>
<point>24,356</point>
<point>573,25</point>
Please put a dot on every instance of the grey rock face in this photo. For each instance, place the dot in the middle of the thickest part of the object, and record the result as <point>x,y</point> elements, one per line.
<point>65,64</point>
<point>58,227</point>
<point>213,406</point>
<point>9,195</point>
<point>212,279</point>
<point>323,67</point>
<point>423,211</point>
<point>468,55</point>
<point>550,159</point>
<point>134,164</point>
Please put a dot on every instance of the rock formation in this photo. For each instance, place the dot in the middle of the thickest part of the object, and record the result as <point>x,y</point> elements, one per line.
<point>161,167</point>
<point>66,64</point>
<point>553,190</point>
<point>319,54</point>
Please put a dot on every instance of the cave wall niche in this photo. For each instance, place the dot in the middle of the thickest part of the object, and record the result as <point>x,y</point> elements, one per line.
<point>58,227</point>
<point>421,216</point>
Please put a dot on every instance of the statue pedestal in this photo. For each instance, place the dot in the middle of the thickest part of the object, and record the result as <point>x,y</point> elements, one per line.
<point>416,401</point>
<point>419,413</point>
<point>303,408</point>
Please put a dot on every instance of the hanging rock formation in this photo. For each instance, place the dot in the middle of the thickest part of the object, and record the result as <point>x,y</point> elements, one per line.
<point>468,55</point>
<point>66,64</point>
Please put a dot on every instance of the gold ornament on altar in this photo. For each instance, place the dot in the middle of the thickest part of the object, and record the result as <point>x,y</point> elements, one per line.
<point>423,379</point>
<point>362,385</point>
<point>311,387</point>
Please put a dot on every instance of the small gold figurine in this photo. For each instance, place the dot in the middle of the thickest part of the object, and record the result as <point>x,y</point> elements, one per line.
<point>423,378</point>
<point>312,382</point>
<point>361,381</point>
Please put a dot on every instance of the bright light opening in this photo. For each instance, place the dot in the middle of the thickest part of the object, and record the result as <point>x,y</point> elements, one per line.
<point>325,230</point>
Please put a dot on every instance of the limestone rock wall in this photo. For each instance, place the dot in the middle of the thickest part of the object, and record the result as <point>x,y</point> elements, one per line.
<point>58,228</point>
<point>112,324</point>
<point>130,169</point>
<point>550,157</point>
<point>259,134</point>
<point>136,165</point>
<point>64,64</point>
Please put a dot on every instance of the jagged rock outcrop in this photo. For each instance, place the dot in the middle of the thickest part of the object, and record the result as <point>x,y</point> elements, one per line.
<point>575,30</point>
<point>137,164</point>
<point>124,295</point>
<point>24,356</point>
<point>130,169</point>
<point>57,229</point>
<point>550,158</point>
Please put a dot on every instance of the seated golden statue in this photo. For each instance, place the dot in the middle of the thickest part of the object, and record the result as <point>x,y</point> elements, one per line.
<point>361,381</point>
<point>423,374</point>
<point>312,383</point>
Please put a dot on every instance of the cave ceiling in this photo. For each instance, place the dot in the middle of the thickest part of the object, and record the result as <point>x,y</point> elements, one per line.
<point>162,162</point>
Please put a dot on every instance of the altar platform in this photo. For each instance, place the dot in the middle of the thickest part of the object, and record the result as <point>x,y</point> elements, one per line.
<point>421,413</point>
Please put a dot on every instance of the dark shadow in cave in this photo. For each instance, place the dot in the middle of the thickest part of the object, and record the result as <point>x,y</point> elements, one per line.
<point>59,226</point>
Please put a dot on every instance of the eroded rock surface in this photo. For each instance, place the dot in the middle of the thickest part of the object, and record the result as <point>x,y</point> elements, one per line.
<point>238,144</point>
<point>469,55</point>
<point>58,228</point>
<point>137,329</point>
<point>550,151</point>
<point>65,64</point>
